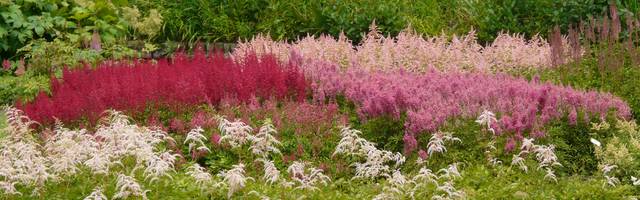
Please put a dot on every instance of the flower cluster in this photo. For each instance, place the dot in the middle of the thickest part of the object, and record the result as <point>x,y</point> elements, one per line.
<point>132,86</point>
<point>412,52</point>
<point>376,160</point>
<point>431,99</point>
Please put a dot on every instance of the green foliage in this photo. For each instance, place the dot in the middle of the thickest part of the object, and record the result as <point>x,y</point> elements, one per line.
<point>23,87</point>
<point>531,17</point>
<point>590,74</point>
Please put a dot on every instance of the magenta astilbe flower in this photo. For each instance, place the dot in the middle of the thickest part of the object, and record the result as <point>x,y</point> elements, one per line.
<point>6,64</point>
<point>510,145</point>
<point>423,154</point>
<point>410,143</point>
<point>177,125</point>
<point>215,139</point>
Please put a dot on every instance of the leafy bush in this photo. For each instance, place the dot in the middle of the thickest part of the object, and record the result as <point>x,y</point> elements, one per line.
<point>181,81</point>
<point>23,87</point>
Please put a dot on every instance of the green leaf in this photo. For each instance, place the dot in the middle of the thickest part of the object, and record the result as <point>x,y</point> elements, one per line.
<point>39,30</point>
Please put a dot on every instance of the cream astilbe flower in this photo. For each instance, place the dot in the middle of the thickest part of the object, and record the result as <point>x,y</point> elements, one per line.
<point>307,178</point>
<point>376,160</point>
<point>519,161</point>
<point>436,142</point>
<point>235,133</point>
<point>127,186</point>
<point>200,174</point>
<point>635,181</point>
<point>9,188</point>
<point>23,162</point>
<point>271,173</point>
<point>96,195</point>
<point>234,179</point>
<point>264,142</point>
<point>67,149</point>
<point>486,118</point>
<point>609,180</point>
<point>545,156</point>
<point>159,166</point>
<point>195,139</point>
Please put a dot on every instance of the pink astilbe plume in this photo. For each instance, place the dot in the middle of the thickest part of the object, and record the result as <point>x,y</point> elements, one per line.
<point>432,98</point>
<point>132,86</point>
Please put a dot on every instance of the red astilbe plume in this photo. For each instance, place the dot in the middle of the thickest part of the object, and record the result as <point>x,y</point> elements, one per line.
<point>181,81</point>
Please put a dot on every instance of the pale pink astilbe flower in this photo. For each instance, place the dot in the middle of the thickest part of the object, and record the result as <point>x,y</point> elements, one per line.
<point>409,51</point>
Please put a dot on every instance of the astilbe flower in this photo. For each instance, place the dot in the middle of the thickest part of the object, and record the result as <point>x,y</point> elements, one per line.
<point>23,161</point>
<point>96,194</point>
<point>234,179</point>
<point>400,187</point>
<point>410,51</point>
<point>196,140</point>
<point>127,186</point>
<point>487,118</point>
<point>264,142</point>
<point>436,143</point>
<point>200,174</point>
<point>306,178</point>
<point>376,160</point>
<point>433,98</point>
<point>64,152</point>
<point>235,133</point>
<point>610,180</point>
<point>544,154</point>
<point>271,173</point>
<point>135,85</point>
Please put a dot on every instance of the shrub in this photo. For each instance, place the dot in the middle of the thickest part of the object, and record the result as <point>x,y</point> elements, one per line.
<point>182,81</point>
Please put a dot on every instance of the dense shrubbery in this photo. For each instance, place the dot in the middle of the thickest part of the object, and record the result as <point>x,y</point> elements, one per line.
<point>230,21</point>
<point>181,81</point>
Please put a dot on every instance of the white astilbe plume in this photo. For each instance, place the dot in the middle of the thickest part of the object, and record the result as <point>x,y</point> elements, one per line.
<point>195,139</point>
<point>271,173</point>
<point>127,186</point>
<point>519,161</point>
<point>234,179</point>
<point>450,172</point>
<point>545,156</point>
<point>66,149</point>
<point>22,161</point>
<point>489,154</point>
<point>158,166</point>
<point>9,188</point>
<point>635,181</point>
<point>376,160</point>
<point>96,195</point>
<point>235,133</point>
<point>307,178</point>
<point>486,118</point>
<point>399,187</point>
<point>264,142</point>
<point>200,174</point>
<point>609,180</point>
<point>436,143</point>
